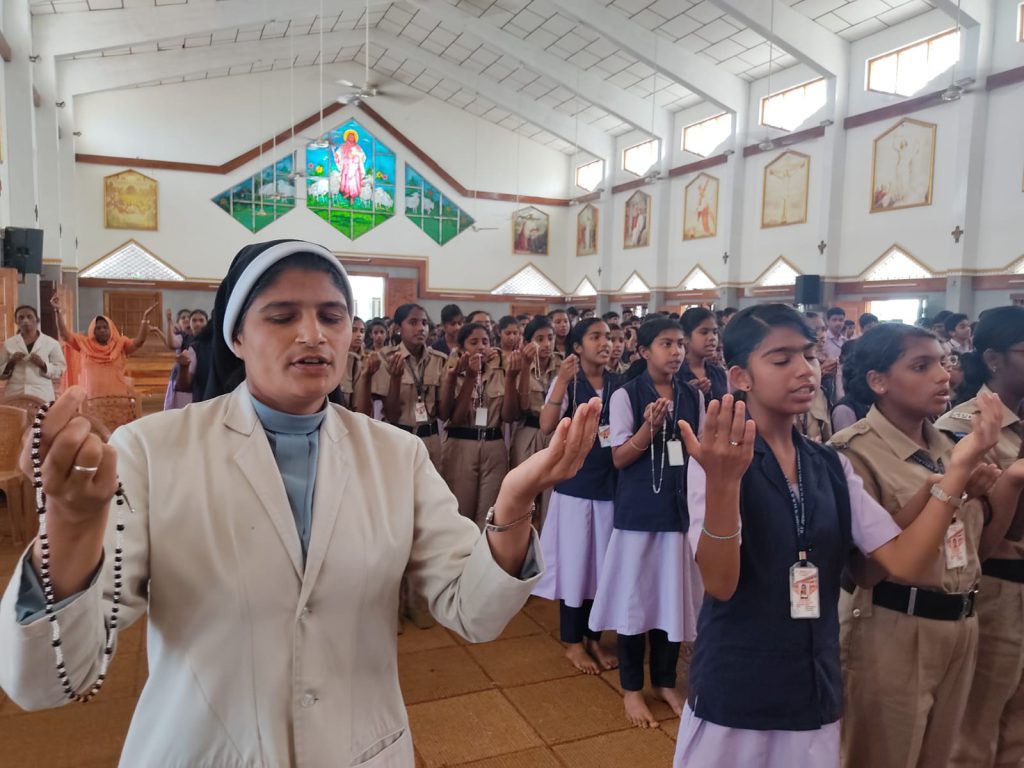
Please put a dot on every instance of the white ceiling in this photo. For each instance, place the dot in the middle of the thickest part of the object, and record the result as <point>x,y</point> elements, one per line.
<point>497,46</point>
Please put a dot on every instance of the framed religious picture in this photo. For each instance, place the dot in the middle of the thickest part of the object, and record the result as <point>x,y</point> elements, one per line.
<point>784,190</point>
<point>903,166</point>
<point>530,232</point>
<point>637,227</point>
<point>700,208</point>
<point>129,201</point>
<point>586,231</point>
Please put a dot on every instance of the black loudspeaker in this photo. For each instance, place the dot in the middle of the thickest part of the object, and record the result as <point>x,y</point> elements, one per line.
<point>23,250</point>
<point>808,290</point>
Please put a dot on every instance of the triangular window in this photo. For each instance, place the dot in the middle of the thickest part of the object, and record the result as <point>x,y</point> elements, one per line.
<point>132,262</point>
<point>529,281</point>
<point>586,288</point>
<point>896,264</point>
<point>635,284</point>
<point>778,274</point>
<point>698,280</point>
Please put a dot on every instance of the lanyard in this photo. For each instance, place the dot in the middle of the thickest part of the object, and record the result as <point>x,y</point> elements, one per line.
<point>666,434</point>
<point>799,509</point>
<point>421,390</point>
<point>604,396</point>
<point>935,467</point>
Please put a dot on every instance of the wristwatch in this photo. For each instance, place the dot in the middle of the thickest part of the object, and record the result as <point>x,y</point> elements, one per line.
<point>954,501</point>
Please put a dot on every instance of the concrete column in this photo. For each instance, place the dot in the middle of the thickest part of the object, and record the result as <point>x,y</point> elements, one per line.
<point>20,115</point>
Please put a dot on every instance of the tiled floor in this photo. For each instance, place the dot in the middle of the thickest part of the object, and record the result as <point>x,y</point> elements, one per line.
<point>513,703</point>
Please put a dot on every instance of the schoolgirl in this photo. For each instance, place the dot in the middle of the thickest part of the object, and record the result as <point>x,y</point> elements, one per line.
<point>376,335</point>
<point>353,364</point>
<point>560,322</point>
<point>581,511</point>
<point>475,403</point>
<point>992,732</point>
<point>700,335</point>
<point>510,335</point>
<point>848,411</point>
<point>909,644</point>
<point>775,516</point>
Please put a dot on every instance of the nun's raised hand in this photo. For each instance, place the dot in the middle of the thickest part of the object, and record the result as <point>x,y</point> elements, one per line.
<point>561,460</point>
<point>726,447</point>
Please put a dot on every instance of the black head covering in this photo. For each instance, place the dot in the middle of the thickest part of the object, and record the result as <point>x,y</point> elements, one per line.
<point>227,371</point>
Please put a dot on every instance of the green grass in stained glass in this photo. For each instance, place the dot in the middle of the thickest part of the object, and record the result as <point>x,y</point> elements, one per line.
<point>440,218</point>
<point>262,198</point>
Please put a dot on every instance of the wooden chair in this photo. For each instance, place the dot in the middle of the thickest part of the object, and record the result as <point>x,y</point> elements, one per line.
<point>27,403</point>
<point>16,488</point>
<point>112,410</point>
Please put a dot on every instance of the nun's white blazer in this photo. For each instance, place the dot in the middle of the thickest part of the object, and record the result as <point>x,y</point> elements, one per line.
<point>253,659</point>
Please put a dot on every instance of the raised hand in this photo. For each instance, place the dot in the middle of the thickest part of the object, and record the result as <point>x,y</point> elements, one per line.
<point>726,447</point>
<point>655,413</point>
<point>981,480</point>
<point>55,301</point>
<point>396,364</point>
<point>490,354</point>
<point>372,363</point>
<point>568,369</point>
<point>703,384</point>
<point>149,310</point>
<point>475,364</point>
<point>530,352</point>
<point>514,362</point>
<point>984,433</point>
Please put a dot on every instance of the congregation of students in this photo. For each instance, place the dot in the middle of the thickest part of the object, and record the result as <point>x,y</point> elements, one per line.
<point>826,514</point>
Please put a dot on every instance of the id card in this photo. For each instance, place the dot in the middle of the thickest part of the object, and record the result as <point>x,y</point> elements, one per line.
<point>481,417</point>
<point>955,546</point>
<point>420,412</point>
<point>804,597</point>
<point>604,435</point>
<point>675,453</point>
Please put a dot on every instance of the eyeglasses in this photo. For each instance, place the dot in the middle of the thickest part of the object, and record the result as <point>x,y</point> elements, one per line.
<point>951,362</point>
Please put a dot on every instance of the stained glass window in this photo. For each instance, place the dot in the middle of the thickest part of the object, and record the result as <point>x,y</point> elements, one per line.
<point>262,198</point>
<point>350,179</point>
<point>430,210</point>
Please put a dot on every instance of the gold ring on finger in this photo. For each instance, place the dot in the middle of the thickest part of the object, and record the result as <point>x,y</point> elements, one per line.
<point>86,470</point>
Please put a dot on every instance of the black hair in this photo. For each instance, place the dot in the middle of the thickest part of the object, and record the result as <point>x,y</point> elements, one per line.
<point>358,319</point>
<point>184,312</point>
<point>553,312</point>
<point>523,316</point>
<point>479,312</point>
<point>578,333</point>
<point>729,311</point>
<point>609,315</point>
<point>506,321</point>
<point>998,329</point>
<point>405,310</point>
<point>867,318</point>
<point>302,260</point>
<point>368,331</point>
<point>467,329</point>
<point>539,323</point>
<point>693,317</point>
<point>940,317</point>
<point>645,336</point>
<point>877,350</point>
<point>750,326</point>
<point>811,315</point>
<point>450,312</point>
<point>848,324</point>
<point>202,312</point>
<point>673,315</point>
<point>30,308</point>
<point>572,312</point>
<point>835,312</point>
<point>614,326</point>
<point>953,321</point>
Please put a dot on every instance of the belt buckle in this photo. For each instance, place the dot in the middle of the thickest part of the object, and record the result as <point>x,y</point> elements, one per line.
<point>967,609</point>
<point>912,601</point>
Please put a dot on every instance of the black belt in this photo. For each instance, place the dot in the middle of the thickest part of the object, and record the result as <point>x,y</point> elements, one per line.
<point>532,420</point>
<point>1007,570</point>
<point>475,433</point>
<point>925,603</point>
<point>422,430</point>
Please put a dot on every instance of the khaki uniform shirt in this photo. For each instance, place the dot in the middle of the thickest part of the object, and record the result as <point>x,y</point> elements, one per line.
<point>957,423</point>
<point>816,424</point>
<point>429,369</point>
<point>353,368</point>
<point>541,380</point>
<point>882,456</point>
<point>490,393</point>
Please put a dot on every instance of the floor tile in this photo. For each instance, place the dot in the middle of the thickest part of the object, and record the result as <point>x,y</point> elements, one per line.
<point>531,758</point>
<point>634,747</point>
<point>438,674</point>
<point>569,709</point>
<point>544,612</point>
<point>523,660</point>
<point>413,639</point>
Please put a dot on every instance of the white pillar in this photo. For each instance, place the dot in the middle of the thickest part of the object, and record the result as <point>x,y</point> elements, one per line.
<point>20,116</point>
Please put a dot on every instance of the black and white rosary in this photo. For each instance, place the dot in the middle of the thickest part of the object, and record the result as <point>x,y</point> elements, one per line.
<point>44,569</point>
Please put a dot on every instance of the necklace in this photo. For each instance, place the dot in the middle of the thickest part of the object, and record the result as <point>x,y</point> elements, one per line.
<point>44,572</point>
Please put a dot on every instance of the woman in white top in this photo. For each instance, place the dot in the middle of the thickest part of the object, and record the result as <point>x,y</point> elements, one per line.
<point>30,361</point>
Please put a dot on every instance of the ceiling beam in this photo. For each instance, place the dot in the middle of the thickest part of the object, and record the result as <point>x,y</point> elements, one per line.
<point>80,76</point>
<point>694,72</point>
<point>588,138</point>
<point>825,52</point>
<point>67,34</point>
<point>971,12</point>
<point>629,108</point>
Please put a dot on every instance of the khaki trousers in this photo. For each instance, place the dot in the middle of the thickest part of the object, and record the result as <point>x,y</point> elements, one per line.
<point>474,470</point>
<point>992,735</point>
<point>906,684</point>
<point>526,441</point>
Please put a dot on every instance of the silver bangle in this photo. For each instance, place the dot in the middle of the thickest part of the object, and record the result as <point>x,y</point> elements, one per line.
<point>730,537</point>
<point>491,527</point>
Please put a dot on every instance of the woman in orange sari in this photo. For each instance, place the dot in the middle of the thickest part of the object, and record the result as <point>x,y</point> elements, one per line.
<point>104,351</point>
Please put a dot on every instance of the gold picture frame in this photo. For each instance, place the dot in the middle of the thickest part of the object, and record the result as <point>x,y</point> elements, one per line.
<point>130,201</point>
<point>587,230</point>
<point>530,232</point>
<point>700,207</point>
<point>899,158</point>
<point>636,230</point>
<point>784,190</point>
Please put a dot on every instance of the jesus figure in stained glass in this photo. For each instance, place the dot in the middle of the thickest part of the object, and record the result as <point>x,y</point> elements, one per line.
<point>351,160</point>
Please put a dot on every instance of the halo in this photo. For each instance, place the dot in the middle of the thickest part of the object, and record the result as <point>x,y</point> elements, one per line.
<point>351,132</point>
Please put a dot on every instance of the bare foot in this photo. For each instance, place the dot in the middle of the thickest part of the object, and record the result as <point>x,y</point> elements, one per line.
<point>671,697</point>
<point>577,654</point>
<point>637,711</point>
<point>601,656</point>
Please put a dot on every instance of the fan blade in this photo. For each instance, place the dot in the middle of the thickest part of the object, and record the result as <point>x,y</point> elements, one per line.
<point>346,83</point>
<point>401,97</point>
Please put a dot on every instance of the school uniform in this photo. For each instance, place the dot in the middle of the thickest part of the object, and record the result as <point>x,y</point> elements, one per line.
<point>527,437</point>
<point>353,369</point>
<point>714,373</point>
<point>474,458</point>
<point>816,424</point>
<point>908,649</point>
<point>421,384</point>
<point>992,733</point>
<point>765,688</point>
<point>579,522</point>
<point>649,583</point>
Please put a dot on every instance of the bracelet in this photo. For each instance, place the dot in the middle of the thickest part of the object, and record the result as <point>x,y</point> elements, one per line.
<point>491,527</point>
<point>635,446</point>
<point>730,537</point>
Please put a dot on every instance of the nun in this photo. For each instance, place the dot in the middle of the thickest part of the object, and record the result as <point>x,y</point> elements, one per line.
<point>271,578</point>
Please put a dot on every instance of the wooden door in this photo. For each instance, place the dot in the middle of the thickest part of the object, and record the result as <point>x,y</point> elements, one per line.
<point>853,309</point>
<point>399,291</point>
<point>8,301</point>
<point>527,309</point>
<point>126,308</point>
<point>47,316</point>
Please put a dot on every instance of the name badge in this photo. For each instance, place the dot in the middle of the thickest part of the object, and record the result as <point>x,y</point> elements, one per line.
<point>604,435</point>
<point>420,412</point>
<point>955,546</point>
<point>804,597</point>
<point>675,453</point>
<point>481,417</point>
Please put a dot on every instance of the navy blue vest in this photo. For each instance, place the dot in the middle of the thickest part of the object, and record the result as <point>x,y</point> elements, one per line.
<point>637,506</point>
<point>596,478</point>
<point>716,375</point>
<point>754,667</point>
